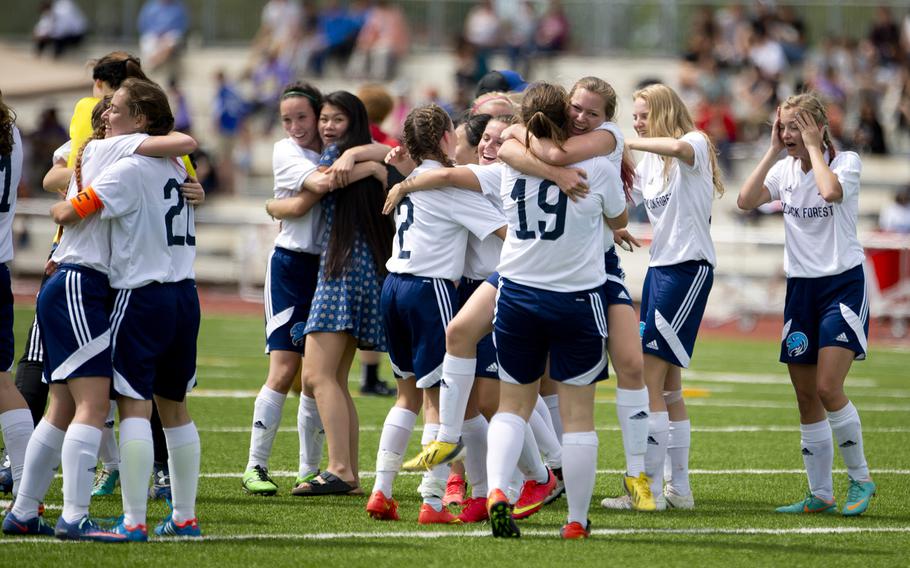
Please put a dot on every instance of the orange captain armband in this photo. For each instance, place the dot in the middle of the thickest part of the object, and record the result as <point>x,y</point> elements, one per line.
<point>86,202</point>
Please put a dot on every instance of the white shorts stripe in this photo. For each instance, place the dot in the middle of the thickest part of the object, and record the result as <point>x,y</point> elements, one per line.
<point>598,308</point>
<point>35,352</point>
<point>278,320</point>
<point>73,313</point>
<point>120,304</point>
<point>589,376</point>
<point>443,301</point>
<point>686,307</point>
<point>669,335</point>
<point>81,355</point>
<point>267,289</point>
<point>80,310</point>
<point>856,324</point>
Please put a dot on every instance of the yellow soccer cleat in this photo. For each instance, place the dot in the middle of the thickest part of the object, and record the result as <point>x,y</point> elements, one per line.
<point>435,453</point>
<point>639,490</point>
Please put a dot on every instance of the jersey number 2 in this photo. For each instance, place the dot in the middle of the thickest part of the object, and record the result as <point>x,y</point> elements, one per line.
<point>6,164</point>
<point>404,226</point>
<point>173,239</point>
<point>558,209</point>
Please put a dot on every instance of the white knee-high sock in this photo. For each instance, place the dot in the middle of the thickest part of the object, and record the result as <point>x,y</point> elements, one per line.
<point>109,453</point>
<point>42,460</point>
<point>136,458</point>
<point>266,419</point>
<point>475,461</point>
<point>505,439</point>
<point>678,455</point>
<point>552,402</point>
<point>818,456</point>
<point>393,442</point>
<point>183,462</point>
<point>542,426</point>
<point>433,485</point>
<point>17,427</point>
<point>848,431</point>
<point>457,380</point>
<point>311,434</point>
<point>79,455</point>
<point>529,461</point>
<point>579,468</point>
<point>658,434</point>
<point>632,414</point>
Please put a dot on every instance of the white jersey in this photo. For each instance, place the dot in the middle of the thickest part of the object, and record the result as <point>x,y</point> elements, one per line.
<point>62,153</point>
<point>680,211</point>
<point>615,158</point>
<point>88,243</point>
<point>291,165</point>
<point>152,228</point>
<point>820,236</point>
<point>554,243</point>
<point>482,256</point>
<point>10,174</point>
<point>432,229</point>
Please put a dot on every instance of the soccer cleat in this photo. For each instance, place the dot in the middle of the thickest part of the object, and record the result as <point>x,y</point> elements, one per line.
<point>474,510</point>
<point>558,490</point>
<point>137,533</point>
<point>639,490</point>
<point>859,494</point>
<point>105,482</point>
<point>169,527</point>
<point>378,388</point>
<point>308,478</point>
<point>455,490</point>
<point>624,503</point>
<point>811,504</point>
<point>161,483</point>
<point>256,481</point>
<point>533,494</point>
<point>382,508</point>
<point>85,529</point>
<point>430,516</point>
<point>676,500</point>
<point>500,511</point>
<point>574,531</point>
<point>35,526</point>
<point>433,454</point>
<point>6,474</point>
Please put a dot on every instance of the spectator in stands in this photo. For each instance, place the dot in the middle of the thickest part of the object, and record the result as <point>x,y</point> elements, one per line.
<point>162,28</point>
<point>382,42</point>
<point>269,80</point>
<point>504,81</point>
<point>869,135</point>
<point>766,53</point>
<point>338,28</point>
<point>885,35</point>
<point>895,217</point>
<point>482,32</point>
<point>790,31</point>
<point>520,42</point>
<point>280,27</point>
<point>179,106</point>
<point>552,30</point>
<point>61,25</point>
<point>379,104</point>
<point>229,113</point>
<point>47,137</point>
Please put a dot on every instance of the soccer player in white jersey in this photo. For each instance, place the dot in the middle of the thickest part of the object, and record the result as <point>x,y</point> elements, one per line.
<point>469,348</point>
<point>677,180</point>
<point>419,299</point>
<point>15,418</point>
<point>826,312</point>
<point>550,306</point>
<point>592,107</point>
<point>73,313</point>
<point>155,320</point>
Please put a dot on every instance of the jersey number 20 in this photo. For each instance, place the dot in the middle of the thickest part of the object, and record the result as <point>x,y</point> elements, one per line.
<point>172,238</point>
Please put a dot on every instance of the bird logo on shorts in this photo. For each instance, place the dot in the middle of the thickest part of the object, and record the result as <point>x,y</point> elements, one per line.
<point>641,329</point>
<point>797,343</point>
<point>297,333</point>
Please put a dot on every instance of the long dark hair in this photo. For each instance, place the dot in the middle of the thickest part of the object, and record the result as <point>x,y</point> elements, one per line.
<point>116,67</point>
<point>357,205</point>
<point>7,119</point>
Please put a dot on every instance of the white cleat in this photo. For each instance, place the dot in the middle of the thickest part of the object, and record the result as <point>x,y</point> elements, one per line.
<point>676,501</point>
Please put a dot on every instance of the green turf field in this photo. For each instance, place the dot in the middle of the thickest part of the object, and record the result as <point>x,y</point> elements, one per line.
<point>745,460</point>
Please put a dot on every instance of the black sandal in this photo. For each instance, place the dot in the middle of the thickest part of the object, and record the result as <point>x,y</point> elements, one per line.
<point>326,483</point>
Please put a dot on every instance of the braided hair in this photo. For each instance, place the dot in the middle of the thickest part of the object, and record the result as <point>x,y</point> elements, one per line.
<point>423,131</point>
<point>97,134</point>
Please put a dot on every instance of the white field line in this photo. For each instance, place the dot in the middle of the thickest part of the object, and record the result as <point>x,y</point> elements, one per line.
<point>386,535</point>
<point>733,403</point>
<point>230,475</point>
<point>706,429</point>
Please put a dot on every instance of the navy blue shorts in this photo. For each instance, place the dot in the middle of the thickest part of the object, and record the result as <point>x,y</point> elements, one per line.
<point>7,339</point>
<point>830,311</point>
<point>570,327</point>
<point>290,282</point>
<point>615,287</point>
<point>73,314</point>
<point>493,279</point>
<point>415,312</point>
<point>153,339</point>
<point>672,305</point>
<point>486,351</point>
